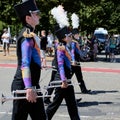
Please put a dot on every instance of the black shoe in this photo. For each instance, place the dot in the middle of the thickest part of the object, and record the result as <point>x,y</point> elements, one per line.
<point>78,100</point>
<point>47,102</point>
<point>86,91</point>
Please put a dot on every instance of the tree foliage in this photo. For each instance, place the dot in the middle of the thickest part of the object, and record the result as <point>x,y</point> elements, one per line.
<point>92,14</point>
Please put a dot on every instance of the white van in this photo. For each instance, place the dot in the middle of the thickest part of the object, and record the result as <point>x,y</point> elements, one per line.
<point>100,34</point>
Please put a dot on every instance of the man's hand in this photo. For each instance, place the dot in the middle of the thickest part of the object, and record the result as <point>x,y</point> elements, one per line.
<point>73,63</point>
<point>64,84</point>
<point>31,95</point>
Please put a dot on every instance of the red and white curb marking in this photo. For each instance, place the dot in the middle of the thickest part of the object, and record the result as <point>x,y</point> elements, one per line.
<point>85,69</point>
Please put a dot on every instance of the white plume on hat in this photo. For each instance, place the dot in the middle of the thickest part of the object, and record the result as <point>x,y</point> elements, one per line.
<point>75,21</point>
<point>60,15</point>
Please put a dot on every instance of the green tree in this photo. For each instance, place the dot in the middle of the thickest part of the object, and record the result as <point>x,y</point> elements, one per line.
<point>92,14</point>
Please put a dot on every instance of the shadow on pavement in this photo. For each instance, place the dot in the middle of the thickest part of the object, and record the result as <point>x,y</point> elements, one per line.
<point>99,92</point>
<point>87,104</point>
<point>93,103</point>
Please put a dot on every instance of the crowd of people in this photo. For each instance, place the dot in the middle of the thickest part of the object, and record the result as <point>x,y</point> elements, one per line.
<point>90,46</point>
<point>69,50</point>
<point>112,47</point>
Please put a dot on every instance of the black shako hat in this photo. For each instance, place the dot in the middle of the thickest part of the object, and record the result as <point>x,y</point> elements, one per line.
<point>75,31</point>
<point>25,8</point>
<point>61,32</point>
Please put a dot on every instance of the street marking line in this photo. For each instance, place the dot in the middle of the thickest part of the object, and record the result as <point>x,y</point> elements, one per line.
<point>93,69</point>
<point>9,113</point>
<point>81,116</point>
<point>8,65</point>
<point>86,69</point>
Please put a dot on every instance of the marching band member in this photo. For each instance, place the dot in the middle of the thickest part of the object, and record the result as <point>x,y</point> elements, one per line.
<point>29,64</point>
<point>75,54</point>
<point>63,66</point>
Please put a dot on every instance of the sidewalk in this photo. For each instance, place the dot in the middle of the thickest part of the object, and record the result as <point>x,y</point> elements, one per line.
<point>12,56</point>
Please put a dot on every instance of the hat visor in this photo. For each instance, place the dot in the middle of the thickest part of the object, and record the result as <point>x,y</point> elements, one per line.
<point>68,35</point>
<point>36,11</point>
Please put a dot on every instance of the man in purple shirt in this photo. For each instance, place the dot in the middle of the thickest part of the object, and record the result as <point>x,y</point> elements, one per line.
<point>63,66</point>
<point>29,64</point>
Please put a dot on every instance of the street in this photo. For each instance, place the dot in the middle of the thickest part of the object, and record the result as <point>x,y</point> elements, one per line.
<point>103,78</point>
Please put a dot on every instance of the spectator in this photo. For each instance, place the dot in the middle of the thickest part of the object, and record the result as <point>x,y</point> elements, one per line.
<point>15,39</point>
<point>6,41</point>
<point>112,49</point>
<point>107,49</point>
<point>43,46</point>
<point>50,39</point>
<point>95,49</point>
<point>84,53</point>
<point>0,37</point>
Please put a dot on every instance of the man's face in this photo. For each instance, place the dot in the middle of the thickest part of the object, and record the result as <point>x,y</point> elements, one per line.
<point>6,31</point>
<point>76,36</point>
<point>68,38</point>
<point>35,18</point>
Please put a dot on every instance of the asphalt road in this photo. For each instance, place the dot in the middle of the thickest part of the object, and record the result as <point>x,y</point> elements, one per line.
<point>103,78</point>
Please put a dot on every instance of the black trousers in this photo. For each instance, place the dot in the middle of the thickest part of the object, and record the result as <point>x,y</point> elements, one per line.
<point>69,96</point>
<point>23,108</point>
<point>75,70</point>
<point>50,90</point>
<point>6,46</point>
<point>78,72</point>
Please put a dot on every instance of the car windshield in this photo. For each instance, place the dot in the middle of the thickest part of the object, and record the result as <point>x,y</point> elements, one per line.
<point>100,36</point>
